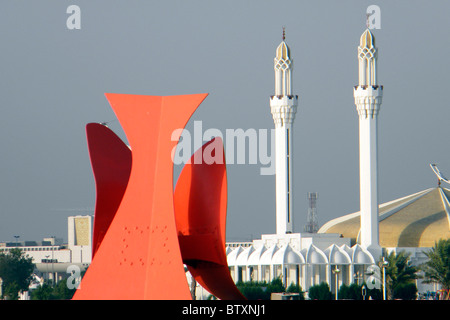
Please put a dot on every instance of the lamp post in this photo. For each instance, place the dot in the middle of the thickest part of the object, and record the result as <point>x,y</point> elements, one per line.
<point>53,269</point>
<point>384,264</point>
<point>17,241</point>
<point>46,262</point>
<point>336,273</point>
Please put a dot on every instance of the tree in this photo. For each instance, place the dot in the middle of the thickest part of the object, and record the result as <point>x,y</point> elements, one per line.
<point>58,292</point>
<point>399,272</point>
<point>16,271</point>
<point>406,291</point>
<point>437,268</point>
<point>352,292</point>
<point>320,292</point>
<point>254,290</point>
<point>295,288</point>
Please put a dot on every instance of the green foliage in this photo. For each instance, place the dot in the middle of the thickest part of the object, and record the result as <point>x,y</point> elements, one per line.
<point>295,288</point>
<point>399,272</point>
<point>437,268</point>
<point>16,272</point>
<point>43,292</point>
<point>276,285</point>
<point>254,290</point>
<point>352,292</point>
<point>58,292</point>
<point>406,291</point>
<point>320,292</point>
<point>374,294</point>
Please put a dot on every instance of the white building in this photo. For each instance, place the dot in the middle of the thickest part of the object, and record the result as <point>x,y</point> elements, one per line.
<point>301,258</point>
<point>352,244</point>
<point>52,257</point>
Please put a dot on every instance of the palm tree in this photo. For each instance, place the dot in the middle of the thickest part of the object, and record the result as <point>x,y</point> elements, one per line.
<point>437,268</point>
<point>399,272</point>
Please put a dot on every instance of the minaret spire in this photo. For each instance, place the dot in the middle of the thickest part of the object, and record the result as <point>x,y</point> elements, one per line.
<point>283,106</point>
<point>368,96</point>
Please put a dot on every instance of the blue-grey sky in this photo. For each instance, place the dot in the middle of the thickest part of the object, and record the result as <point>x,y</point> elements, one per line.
<point>53,80</point>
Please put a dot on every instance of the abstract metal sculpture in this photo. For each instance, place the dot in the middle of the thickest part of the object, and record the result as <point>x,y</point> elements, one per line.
<point>139,256</point>
<point>200,202</point>
<point>143,233</point>
<point>111,165</point>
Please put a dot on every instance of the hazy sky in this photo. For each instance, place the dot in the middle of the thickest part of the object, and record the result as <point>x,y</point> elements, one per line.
<point>53,80</point>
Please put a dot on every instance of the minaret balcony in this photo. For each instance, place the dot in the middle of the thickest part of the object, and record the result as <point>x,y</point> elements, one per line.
<point>362,91</point>
<point>291,100</point>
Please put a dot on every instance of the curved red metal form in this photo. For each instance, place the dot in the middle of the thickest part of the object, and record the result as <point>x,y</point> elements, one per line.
<point>200,201</point>
<point>139,256</point>
<point>111,164</point>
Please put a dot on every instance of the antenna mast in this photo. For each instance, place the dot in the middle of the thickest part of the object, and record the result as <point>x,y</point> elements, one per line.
<point>311,224</point>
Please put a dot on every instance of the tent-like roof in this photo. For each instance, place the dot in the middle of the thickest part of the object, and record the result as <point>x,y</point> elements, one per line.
<point>256,255</point>
<point>417,220</point>
<point>287,255</point>
<point>242,259</point>
<point>314,255</point>
<point>266,257</point>
<point>233,255</point>
<point>337,255</point>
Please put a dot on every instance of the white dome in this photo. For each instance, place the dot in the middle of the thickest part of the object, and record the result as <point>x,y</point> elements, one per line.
<point>287,255</point>
<point>242,259</point>
<point>361,256</point>
<point>315,256</point>
<point>337,255</point>
<point>266,258</point>
<point>233,255</point>
<point>255,256</point>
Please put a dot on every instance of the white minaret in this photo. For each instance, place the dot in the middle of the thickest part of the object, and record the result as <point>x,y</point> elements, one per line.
<point>283,106</point>
<point>368,95</point>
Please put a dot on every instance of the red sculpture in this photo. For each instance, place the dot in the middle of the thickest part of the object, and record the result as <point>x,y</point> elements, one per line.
<point>140,240</point>
<point>111,164</point>
<point>200,212</point>
<point>139,256</point>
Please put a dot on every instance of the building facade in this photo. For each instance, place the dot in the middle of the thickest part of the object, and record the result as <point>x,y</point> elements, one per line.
<point>52,257</point>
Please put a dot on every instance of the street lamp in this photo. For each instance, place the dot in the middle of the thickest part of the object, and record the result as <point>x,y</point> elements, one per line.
<point>384,264</point>
<point>53,268</point>
<point>46,262</point>
<point>17,242</point>
<point>336,273</point>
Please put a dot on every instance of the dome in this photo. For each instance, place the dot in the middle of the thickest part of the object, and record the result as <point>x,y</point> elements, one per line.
<point>266,257</point>
<point>337,255</point>
<point>283,52</point>
<point>233,255</point>
<point>287,255</point>
<point>417,220</point>
<point>361,256</point>
<point>314,255</point>
<point>242,259</point>
<point>255,256</point>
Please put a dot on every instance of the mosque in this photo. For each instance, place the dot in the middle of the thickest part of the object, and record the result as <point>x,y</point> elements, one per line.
<point>346,248</point>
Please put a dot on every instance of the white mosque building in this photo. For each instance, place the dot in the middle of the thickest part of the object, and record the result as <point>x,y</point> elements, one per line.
<point>352,244</point>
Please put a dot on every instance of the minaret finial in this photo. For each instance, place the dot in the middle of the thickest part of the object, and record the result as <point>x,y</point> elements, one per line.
<point>367,20</point>
<point>284,33</point>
